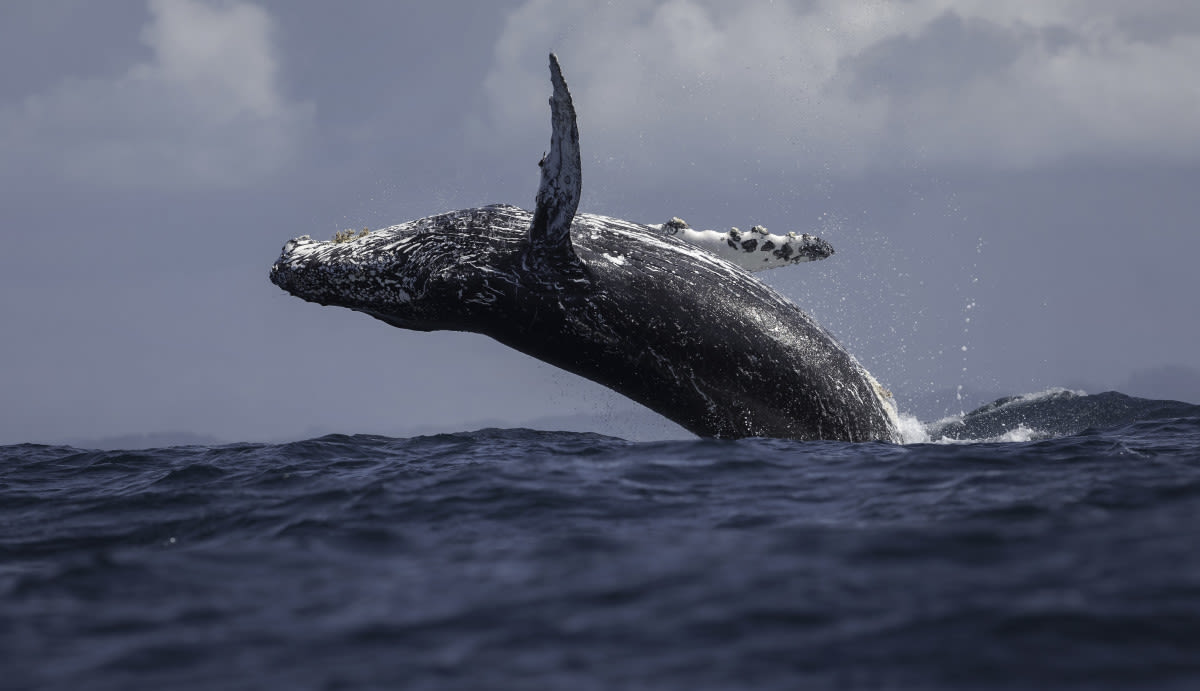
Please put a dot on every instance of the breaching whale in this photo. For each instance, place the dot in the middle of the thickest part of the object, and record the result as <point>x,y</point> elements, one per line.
<point>666,315</point>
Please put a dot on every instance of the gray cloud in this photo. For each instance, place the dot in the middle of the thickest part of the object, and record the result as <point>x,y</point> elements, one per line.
<point>903,65</point>
<point>862,86</point>
<point>204,110</point>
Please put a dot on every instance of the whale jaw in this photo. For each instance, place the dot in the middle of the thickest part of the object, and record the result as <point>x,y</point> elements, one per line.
<point>363,277</point>
<point>318,272</point>
<point>444,272</point>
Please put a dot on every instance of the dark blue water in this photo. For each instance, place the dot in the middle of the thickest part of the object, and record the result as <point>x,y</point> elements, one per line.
<point>523,559</point>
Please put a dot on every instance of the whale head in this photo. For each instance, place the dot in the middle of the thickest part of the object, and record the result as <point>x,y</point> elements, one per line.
<point>423,275</point>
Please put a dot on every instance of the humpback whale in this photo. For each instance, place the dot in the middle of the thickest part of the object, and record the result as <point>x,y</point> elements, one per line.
<point>668,316</point>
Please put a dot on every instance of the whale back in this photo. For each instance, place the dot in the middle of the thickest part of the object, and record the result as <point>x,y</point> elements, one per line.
<point>691,336</point>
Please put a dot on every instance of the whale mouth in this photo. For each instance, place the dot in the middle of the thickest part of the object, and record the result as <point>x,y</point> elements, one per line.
<point>368,273</point>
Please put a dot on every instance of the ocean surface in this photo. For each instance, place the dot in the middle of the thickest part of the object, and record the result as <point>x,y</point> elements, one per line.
<point>1049,541</point>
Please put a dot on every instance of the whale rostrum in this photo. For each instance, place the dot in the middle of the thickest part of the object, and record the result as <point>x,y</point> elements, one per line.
<point>669,316</point>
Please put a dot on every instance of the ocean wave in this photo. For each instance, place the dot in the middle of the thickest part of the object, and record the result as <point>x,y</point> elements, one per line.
<point>516,557</point>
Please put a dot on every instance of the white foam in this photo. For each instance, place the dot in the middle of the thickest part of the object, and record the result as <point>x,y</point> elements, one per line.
<point>1019,434</point>
<point>912,430</point>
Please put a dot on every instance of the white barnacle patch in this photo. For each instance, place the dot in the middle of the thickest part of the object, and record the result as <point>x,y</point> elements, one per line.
<point>675,225</point>
<point>615,259</point>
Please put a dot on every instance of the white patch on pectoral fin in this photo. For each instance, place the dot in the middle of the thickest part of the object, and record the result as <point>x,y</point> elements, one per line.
<point>755,249</point>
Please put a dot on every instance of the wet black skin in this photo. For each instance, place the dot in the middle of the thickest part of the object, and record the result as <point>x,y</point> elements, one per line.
<point>699,341</point>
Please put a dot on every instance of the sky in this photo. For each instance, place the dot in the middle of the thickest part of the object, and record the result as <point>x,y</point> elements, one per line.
<point>1010,188</point>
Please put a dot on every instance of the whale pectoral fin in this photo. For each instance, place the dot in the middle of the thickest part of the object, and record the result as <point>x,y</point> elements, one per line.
<point>562,184</point>
<point>755,249</point>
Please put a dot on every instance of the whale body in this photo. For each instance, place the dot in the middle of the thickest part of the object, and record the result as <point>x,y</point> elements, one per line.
<point>668,316</point>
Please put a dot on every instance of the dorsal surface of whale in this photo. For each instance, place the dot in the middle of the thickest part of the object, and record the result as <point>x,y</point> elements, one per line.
<point>668,316</point>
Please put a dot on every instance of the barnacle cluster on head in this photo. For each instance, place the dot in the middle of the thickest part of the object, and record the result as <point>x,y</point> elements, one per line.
<point>349,234</point>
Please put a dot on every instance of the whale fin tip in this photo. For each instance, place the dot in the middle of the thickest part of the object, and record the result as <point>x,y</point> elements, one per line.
<point>561,185</point>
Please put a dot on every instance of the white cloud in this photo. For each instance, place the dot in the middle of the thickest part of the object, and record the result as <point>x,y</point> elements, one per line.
<point>828,84</point>
<point>206,109</point>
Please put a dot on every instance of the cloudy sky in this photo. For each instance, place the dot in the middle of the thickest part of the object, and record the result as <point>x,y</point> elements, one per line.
<point>1011,189</point>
